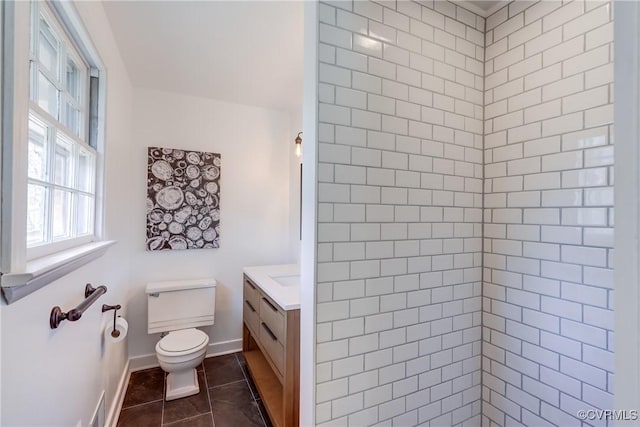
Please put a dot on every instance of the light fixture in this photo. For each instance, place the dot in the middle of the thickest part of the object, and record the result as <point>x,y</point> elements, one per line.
<point>298,145</point>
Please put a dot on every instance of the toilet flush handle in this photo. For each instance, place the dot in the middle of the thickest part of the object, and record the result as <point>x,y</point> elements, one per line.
<point>154,294</point>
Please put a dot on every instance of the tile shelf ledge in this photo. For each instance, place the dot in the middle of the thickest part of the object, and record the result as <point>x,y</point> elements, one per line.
<point>42,271</point>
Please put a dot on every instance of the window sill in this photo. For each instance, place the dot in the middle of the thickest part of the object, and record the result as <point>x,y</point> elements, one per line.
<point>42,271</point>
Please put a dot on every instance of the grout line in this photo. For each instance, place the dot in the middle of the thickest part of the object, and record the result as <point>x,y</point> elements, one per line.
<point>483,211</point>
<point>264,422</point>
<point>184,419</point>
<point>206,383</point>
<point>226,384</point>
<point>140,404</point>
<point>244,375</point>
<point>164,393</point>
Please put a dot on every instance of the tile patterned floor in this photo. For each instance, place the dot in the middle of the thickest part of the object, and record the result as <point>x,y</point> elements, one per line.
<point>227,398</point>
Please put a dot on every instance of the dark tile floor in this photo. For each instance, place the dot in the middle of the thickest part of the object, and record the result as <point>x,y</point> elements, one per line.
<point>227,397</point>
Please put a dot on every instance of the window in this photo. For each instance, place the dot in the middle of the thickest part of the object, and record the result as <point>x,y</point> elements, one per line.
<point>53,104</point>
<point>61,196</point>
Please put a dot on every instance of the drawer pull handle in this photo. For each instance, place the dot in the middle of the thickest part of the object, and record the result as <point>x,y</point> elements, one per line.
<point>250,306</point>
<point>266,328</point>
<point>270,305</point>
<point>250,285</point>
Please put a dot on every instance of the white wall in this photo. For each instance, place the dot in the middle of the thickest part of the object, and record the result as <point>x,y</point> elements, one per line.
<point>295,119</point>
<point>256,145</point>
<point>55,377</point>
<point>308,259</point>
<point>548,320</point>
<point>627,201</point>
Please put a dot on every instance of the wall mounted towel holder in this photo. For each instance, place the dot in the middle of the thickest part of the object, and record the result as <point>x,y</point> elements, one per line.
<point>91,294</point>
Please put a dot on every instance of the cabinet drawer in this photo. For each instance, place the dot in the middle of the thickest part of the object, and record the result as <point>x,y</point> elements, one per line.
<point>250,316</point>
<point>274,350</point>
<point>274,319</point>
<point>251,294</point>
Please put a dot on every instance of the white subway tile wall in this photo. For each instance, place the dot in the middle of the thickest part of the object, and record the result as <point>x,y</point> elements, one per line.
<point>427,140</point>
<point>548,211</point>
<point>400,212</point>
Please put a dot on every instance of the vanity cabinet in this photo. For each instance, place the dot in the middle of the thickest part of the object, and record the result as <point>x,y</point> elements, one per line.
<point>271,347</point>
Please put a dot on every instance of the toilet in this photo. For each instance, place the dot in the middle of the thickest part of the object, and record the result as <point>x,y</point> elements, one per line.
<point>176,309</point>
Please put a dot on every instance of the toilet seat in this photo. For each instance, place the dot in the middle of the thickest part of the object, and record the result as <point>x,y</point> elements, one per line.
<point>182,342</point>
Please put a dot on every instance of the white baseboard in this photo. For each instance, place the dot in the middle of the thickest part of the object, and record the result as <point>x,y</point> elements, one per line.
<point>224,347</point>
<point>116,406</point>
<point>139,363</point>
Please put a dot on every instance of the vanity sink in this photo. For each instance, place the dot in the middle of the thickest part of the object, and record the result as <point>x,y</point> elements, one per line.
<point>290,280</point>
<point>271,338</point>
<point>281,283</point>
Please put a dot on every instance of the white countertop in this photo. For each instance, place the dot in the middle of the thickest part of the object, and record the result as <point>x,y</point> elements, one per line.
<point>280,282</point>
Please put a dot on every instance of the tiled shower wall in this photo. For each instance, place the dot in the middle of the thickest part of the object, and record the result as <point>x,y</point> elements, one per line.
<point>399,214</point>
<point>548,233</point>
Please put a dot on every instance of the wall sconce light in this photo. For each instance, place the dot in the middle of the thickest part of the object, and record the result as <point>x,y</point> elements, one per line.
<point>299,145</point>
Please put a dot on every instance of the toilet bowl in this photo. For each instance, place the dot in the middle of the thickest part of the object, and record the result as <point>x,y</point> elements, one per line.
<point>179,353</point>
<point>175,309</point>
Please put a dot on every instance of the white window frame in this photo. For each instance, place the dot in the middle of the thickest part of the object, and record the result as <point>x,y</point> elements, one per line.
<point>53,245</point>
<point>24,271</point>
<point>65,49</point>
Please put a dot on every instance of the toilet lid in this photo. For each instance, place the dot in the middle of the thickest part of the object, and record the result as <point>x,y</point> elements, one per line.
<point>182,340</point>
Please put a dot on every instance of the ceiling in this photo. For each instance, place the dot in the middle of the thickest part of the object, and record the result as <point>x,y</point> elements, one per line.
<point>483,7</point>
<point>487,5</point>
<point>247,52</point>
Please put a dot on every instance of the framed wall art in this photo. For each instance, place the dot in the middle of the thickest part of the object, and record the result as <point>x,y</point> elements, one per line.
<point>183,199</point>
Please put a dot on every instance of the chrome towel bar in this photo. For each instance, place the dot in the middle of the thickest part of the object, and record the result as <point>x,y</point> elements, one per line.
<point>91,294</point>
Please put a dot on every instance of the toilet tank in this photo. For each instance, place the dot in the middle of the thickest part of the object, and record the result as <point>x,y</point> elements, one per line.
<point>180,304</point>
